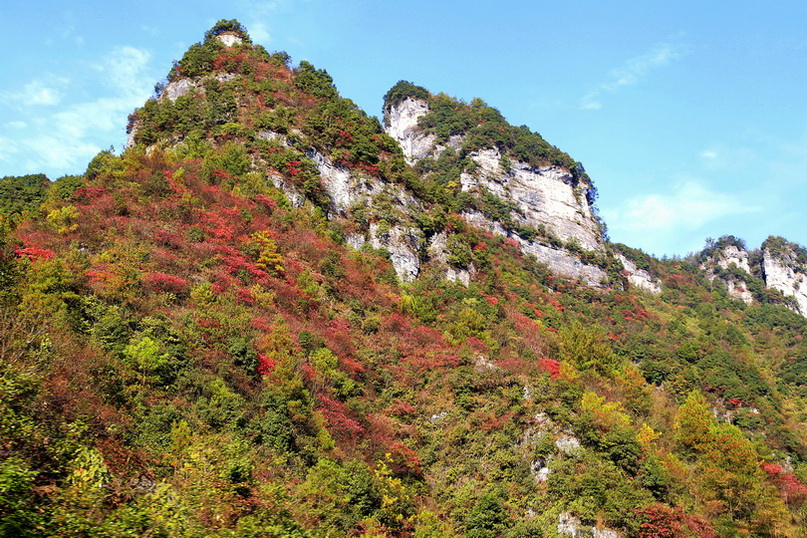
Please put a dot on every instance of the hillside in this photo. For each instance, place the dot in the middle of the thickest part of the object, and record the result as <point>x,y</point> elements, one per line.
<point>272,315</point>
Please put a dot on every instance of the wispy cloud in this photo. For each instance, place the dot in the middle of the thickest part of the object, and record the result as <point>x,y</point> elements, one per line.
<point>63,141</point>
<point>261,12</point>
<point>260,33</point>
<point>654,221</point>
<point>732,158</point>
<point>632,72</point>
<point>46,91</point>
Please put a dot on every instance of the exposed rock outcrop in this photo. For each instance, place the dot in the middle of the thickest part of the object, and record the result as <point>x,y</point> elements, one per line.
<point>783,272</point>
<point>558,260</point>
<point>730,265</point>
<point>349,191</point>
<point>545,198</point>
<point>637,277</point>
<point>402,125</point>
<point>229,39</point>
<point>438,252</point>
<point>570,525</point>
<point>732,254</point>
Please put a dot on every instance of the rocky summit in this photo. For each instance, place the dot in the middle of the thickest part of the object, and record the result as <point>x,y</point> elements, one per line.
<point>275,315</point>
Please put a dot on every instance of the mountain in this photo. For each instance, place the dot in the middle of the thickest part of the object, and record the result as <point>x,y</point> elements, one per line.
<point>275,315</point>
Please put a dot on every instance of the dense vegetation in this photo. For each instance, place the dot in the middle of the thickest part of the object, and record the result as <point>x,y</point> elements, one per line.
<point>184,352</point>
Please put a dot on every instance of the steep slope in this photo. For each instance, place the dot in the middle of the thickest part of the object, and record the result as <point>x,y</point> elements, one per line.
<point>296,131</point>
<point>200,337</point>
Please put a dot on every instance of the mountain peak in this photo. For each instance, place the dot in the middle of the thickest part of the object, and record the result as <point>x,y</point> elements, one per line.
<point>229,32</point>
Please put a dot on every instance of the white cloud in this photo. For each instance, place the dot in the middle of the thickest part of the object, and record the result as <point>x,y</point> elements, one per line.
<point>259,33</point>
<point>629,74</point>
<point>688,206</point>
<point>655,221</point>
<point>123,69</point>
<point>59,152</point>
<point>63,141</point>
<point>17,124</point>
<point>260,11</point>
<point>46,91</point>
<point>7,148</point>
<point>36,93</point>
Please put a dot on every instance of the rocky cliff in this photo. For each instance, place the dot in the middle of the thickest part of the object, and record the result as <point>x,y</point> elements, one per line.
<point>778,265</point>
<point>784,267</point>
<point>729,263</point>
<point>546,207</point>
<point>639,277</point>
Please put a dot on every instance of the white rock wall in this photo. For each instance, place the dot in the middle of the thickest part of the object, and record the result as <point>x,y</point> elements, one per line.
<point>558,260</point>
<point>402,125</point>
<point>739,290</point>
<point>570,525</point>
<point>725,258</point>
<point>438,251</point>
<point>783,274</point>
<point>639,278</point>
<point>229,39</point>
<point>346,189</point>
<point>402,243</point>
<point>544,196</point>
<point>731,254</point>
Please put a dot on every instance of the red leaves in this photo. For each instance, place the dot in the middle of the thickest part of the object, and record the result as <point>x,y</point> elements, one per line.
<point>233,61</point>
<point>163,282</point>
<point>336,416</point>
<point>662,521</point>
<point>404,460</point>
<point>35,253</point>
<point>85,195</point>
<point>401,408</point>
<point>793,492</point>
<point>772,469</point>
<point>265,364</point>
<point>550,366</point>
<point>293,168</point>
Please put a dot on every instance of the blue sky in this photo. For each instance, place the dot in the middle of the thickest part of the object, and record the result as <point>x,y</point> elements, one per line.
<point>691,117</point>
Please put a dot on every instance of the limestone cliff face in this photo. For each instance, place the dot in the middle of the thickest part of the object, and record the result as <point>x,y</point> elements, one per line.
<point>783,272</point>
<point>350,192</point>
<point>402,125</point>
<point>637,277</point>
<point>732,254</point>
<point>546,197</point>
<point>559,260</point>
<point>730,265</point>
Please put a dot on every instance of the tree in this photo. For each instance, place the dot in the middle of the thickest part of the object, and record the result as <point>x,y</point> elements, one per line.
<point>228,26</point>
<point>694,422</point>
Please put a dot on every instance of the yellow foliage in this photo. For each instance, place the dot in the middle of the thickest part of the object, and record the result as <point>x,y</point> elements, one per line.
<point>63,219</point>
<point>605,415</point>
<point>647,436</point>
<point>269,259</point>
<point>393,491</point>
